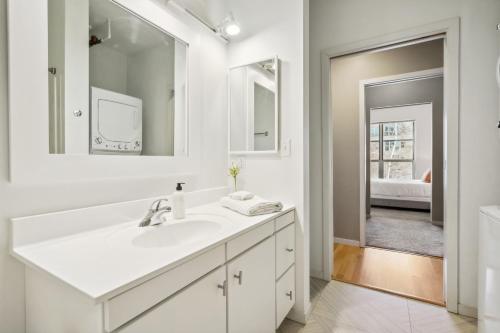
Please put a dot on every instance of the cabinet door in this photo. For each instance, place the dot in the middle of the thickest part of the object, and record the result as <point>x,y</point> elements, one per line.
<point>200,307</point>
<point>285,295</point>
<point>251,290</point>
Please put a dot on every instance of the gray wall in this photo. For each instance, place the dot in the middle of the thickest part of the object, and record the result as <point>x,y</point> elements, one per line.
<point>346,73</point>
<point>414,92</point>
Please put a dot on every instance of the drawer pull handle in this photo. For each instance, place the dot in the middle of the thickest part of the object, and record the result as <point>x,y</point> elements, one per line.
<point>289,250</point>
<point>289,294</point>
<point>223,286</point>
<point>239,276</point>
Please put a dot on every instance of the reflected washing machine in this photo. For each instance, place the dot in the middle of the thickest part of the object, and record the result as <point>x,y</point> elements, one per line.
<point>115,122</point>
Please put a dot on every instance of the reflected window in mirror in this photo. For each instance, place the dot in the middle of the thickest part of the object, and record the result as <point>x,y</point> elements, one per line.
<point>253,109</point>
<point>117,83</point>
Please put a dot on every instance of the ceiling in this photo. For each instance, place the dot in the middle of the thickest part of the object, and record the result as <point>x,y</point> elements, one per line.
<point>129,34</point>
<point>252,15</point>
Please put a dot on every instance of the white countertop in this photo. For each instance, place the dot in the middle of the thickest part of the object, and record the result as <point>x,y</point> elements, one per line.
<point>103,262</point>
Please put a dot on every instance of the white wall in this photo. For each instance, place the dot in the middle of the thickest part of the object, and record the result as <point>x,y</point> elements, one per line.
<point>108,69</point>
<point>238,104</point>
<point>339,22</point>
<point>422,115</point>
<point>210,156</point>
<point>277,177</point>
<point>264,111</point>
<point>150,76</point>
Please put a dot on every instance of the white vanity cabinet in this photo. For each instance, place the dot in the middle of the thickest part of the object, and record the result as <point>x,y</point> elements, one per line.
<point>242,283</point>
<point>251,285</point>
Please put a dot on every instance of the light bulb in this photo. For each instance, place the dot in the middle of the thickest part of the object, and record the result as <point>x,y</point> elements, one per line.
<point>232,29</point>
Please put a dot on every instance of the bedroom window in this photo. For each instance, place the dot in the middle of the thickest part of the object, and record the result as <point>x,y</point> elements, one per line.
<point>392,150</point>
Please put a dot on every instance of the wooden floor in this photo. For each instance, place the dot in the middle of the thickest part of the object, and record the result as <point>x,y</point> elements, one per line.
<point>404,274</point>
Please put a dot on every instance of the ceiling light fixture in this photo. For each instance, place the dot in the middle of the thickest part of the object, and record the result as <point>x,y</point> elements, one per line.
<point>229,26</point>
<point>232,29</point>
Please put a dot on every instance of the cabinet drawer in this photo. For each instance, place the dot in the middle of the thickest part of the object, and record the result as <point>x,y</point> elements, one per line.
<point>133,302</point>
<point>201,307</point>
<point>285,295</point>
<point>249,239</point>
<point>285,220</point>
<point>285,249</point>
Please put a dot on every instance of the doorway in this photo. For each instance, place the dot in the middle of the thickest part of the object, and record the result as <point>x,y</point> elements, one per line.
<point>398,116</point>
<point>404,186</point>
<point>449,54</point>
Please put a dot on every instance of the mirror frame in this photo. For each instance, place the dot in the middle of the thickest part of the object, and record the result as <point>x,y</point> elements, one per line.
<point>277,109</point>
<point>29,159</point>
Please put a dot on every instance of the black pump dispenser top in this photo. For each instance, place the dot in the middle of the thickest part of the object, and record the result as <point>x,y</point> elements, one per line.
<point>179,186</point>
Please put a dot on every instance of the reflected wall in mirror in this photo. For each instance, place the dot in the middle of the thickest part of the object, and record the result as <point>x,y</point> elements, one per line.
<point>253,109</point>
<point>117,83</point>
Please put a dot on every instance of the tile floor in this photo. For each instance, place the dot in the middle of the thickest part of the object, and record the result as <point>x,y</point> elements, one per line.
<point>340,308</point>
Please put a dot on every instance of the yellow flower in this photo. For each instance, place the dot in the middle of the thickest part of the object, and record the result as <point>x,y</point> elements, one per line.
<point>234,171</point>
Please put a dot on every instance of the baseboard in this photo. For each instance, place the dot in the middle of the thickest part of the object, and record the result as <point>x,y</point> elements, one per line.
<point>316,274</point>
<point>438,223</point>
<point>344,241</point>
<point>298,316</point>
<point>466,310</point>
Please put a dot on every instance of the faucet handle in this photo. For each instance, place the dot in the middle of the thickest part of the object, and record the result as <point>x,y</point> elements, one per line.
<point>155,206</point>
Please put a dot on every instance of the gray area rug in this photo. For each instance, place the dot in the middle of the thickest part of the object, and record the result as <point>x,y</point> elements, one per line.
<point>405,235</point>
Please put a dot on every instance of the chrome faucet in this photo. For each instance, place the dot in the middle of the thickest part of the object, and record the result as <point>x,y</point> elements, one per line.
<point>154,213</point>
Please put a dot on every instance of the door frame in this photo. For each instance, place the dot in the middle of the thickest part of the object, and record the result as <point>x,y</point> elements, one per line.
<point>450,28</point>
<point>425,74</point>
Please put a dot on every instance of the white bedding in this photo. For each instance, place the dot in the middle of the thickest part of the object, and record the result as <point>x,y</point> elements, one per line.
<point>413,190</point>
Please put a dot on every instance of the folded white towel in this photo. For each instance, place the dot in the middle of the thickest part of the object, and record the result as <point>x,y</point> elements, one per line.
<point>241,195</point>
<point>251,207</point>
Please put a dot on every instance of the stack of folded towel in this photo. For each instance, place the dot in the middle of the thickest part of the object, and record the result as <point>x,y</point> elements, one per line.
<point>247,203</point>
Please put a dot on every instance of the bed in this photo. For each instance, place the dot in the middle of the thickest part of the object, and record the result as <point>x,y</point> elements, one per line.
<point>412,194</point>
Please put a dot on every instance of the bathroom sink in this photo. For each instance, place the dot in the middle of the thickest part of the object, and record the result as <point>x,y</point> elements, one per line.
<point>173,234</point>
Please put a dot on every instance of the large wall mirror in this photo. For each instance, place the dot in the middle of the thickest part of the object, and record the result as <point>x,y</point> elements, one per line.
<point>254,107</point>
<point>117,83</point>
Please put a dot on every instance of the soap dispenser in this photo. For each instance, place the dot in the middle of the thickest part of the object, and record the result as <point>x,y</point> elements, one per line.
<point>178,208</point>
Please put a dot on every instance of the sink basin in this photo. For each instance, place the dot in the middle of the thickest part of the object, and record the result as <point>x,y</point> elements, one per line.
<point>171,233</point>
<point>174,234</point>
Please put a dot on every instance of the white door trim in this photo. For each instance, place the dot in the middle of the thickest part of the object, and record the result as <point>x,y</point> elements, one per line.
<point>451,30</point>
<point>425,74</point>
